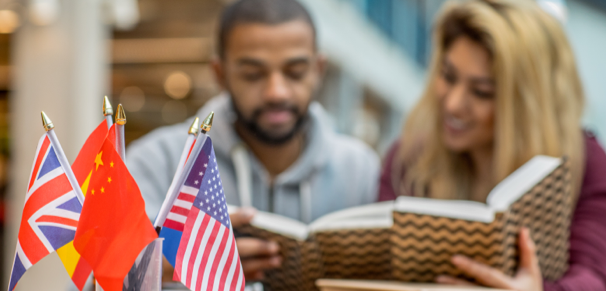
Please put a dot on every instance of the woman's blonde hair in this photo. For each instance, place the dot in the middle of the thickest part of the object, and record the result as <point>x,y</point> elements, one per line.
<point>538,99</point>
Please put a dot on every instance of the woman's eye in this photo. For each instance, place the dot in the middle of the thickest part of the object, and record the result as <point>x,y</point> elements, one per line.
<point>483,94</point>
<point>449,77</point>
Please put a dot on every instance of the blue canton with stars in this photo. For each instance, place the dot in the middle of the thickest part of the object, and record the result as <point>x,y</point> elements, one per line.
<point>199,167</point>
<point>211,199</point>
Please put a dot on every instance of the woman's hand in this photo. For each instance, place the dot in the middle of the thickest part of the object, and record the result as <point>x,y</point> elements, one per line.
<point>527,278</point>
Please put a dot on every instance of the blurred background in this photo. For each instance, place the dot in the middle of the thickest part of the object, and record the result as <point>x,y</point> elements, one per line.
<point>153,56</point>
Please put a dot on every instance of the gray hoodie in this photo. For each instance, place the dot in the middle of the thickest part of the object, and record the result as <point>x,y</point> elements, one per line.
<point>333,172</point>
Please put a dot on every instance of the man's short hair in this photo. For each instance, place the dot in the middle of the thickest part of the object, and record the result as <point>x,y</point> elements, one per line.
<point>270,12</point>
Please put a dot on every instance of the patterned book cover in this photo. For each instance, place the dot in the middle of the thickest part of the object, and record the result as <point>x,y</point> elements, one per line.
<point>422,245</point>
<point>342,253</point>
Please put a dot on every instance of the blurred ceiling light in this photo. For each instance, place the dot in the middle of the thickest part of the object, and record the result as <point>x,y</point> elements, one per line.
<point>132,98</point>
<point>125,13</point>
<point>174,111</point>
<point>557,9</point>
<point>9,21</point>
<point>43,12</point>
<point>177,85</point>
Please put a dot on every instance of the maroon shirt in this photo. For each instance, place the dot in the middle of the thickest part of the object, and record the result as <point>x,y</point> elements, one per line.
<point>587,269</point>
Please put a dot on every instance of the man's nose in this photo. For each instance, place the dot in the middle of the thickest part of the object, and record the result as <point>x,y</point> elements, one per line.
<point>277,88</point>
<point>456,99</point>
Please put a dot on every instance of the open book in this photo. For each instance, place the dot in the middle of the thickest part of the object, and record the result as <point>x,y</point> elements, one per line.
<point>413,239</point>
<point>351,243</point>
<point>428,232</point>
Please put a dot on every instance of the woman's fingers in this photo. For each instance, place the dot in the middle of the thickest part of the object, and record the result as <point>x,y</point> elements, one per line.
<point>482,273</point>
<point>528,255</point>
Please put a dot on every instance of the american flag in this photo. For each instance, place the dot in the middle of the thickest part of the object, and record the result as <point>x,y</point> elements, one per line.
<point>207,258</point>
<point>172,230</point>
<point>50,214</point>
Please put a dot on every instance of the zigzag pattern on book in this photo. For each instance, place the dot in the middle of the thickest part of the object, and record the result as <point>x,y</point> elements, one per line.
<point>356,253</point>
<point>422,245</point>
<point>301,262</point>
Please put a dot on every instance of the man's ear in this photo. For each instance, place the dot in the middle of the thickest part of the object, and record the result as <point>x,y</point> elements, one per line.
<point>322,63</point>
<point>217,67</point>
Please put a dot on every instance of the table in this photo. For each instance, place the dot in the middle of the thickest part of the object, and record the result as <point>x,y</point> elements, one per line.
<point>364,285</point>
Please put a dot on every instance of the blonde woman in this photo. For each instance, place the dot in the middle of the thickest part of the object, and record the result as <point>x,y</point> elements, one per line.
<point>502,88</point>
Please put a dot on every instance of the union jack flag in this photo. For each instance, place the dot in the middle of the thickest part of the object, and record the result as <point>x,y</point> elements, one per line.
<point>207,258</point>
<point>50,214</point>
<point>172,230</point>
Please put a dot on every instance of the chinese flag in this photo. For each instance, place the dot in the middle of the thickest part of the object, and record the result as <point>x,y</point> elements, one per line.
<point>77,268</point>
<point>113,227</point>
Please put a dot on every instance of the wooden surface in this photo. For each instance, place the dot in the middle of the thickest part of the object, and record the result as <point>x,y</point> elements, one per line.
<point>361,285</point>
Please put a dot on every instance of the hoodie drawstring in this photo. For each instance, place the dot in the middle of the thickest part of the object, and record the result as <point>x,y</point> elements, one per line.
<point>243,175</point>
<point>239,156</point>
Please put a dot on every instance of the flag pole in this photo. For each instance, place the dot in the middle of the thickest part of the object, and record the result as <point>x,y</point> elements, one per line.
<point>178,180</point>
<point>108,111</point>
<point>191,138</point>
<point>49,127</point>
<point>120,122</point>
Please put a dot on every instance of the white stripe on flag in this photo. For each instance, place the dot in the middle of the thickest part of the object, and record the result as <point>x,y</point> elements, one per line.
<point>211,256</point>
<point>232,270</point>
<point>190,246</point>
<point>221,265</point>
<point>183,203</point>
<point>240,278</point>
<point>203,243</point>
<point>24,259</point>
<point>189,190</point>
<point>176,217</point>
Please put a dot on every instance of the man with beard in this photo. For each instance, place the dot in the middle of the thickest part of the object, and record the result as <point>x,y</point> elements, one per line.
<point>276,148</point>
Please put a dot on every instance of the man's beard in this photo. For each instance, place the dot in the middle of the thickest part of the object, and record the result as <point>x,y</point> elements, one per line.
<point>265,136</point>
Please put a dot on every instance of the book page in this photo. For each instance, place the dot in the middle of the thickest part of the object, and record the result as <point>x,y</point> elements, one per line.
<point>376,215</point>
<point>280,224</point>
<point>521,181</point>
<point>458,209</point>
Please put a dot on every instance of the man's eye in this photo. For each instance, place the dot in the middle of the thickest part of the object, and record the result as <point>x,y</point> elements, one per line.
<point>295,74</point>
<point>252,76</point>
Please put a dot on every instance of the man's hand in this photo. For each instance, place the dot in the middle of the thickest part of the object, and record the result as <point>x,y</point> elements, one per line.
<point>256,255</point>
<point>528,277</point>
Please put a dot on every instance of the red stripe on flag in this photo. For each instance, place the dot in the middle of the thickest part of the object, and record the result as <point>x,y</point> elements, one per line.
<point>174,224</point>
<point>192,258</point>
<point>230,258</point>
<point>57,219</point>
<point>179,210</point>
<point>181,251</point>
<point>236,277</point>
<point>186,197</point>
<point>81,273</point>
<point>218,256</point>
<point>209,246</point>
<point>41,155</point>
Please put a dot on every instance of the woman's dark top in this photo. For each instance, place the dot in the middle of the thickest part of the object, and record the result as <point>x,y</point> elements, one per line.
<point>587,270</point>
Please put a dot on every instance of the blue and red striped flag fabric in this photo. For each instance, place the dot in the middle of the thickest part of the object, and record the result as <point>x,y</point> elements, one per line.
<point>172,229</point>
<point>50,214</point>
<point>207,258</point>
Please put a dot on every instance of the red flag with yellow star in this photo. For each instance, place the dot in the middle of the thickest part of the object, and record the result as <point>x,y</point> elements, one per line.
<point>77,268</point>
<point>113,227</point>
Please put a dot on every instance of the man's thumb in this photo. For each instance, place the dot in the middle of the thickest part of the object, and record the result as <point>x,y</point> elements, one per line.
<point>242,216</point>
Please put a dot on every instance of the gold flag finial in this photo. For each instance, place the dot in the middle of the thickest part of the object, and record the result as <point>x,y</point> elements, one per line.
<point>46,122</point>
<point>107,107</point>
<point>120,115</point>
<point>193,129</point>
<point>208,122</point>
